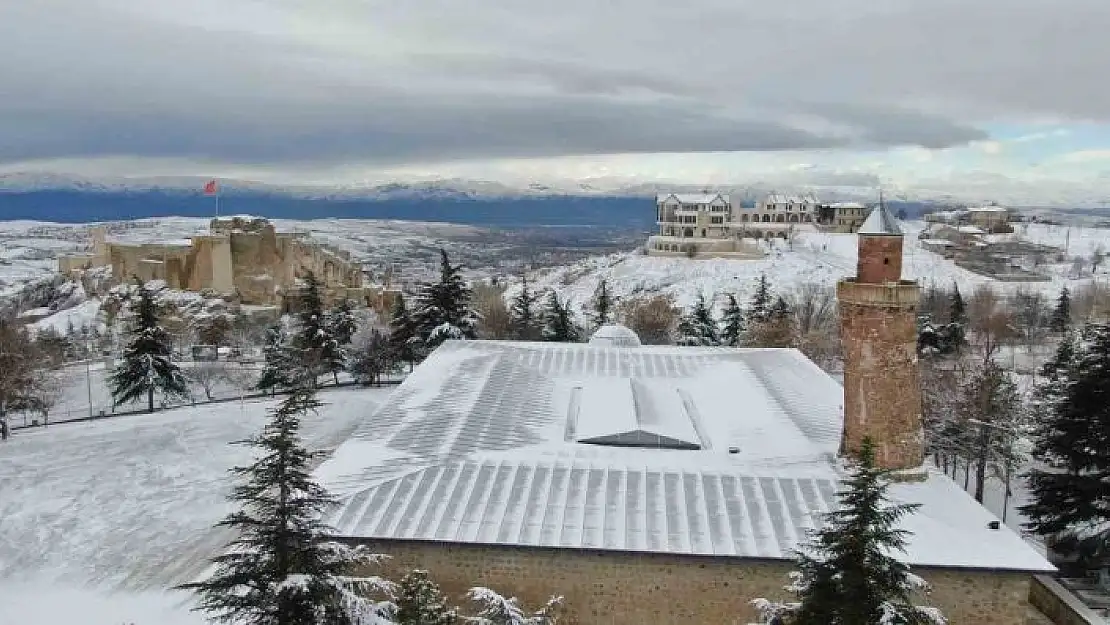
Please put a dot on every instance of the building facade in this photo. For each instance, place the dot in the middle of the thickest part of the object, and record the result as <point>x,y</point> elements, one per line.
<point>712,225</point>
<point>241,257</point>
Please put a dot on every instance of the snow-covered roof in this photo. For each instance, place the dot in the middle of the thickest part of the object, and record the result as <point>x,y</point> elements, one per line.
<point>971,230</point>
<point>615,335</point>
<point>880,221</point>
<point>498,442</point>
<point>847,205</point>
<point>692,198</point>
<point>987,209</point>
<point>779,198</point>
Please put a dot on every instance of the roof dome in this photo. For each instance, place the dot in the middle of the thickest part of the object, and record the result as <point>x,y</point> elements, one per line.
<point>614,335</point>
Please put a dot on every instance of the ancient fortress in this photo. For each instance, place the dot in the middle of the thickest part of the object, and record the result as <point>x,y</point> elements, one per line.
<point>240,257</point>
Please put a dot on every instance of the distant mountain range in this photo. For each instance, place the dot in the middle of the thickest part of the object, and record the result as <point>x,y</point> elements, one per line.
<point>67,199</point>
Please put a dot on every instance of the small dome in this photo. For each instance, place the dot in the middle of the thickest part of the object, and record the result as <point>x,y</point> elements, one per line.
<point>615,335</point>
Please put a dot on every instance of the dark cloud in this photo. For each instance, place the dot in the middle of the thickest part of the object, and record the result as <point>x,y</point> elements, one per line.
<point>257,81</point>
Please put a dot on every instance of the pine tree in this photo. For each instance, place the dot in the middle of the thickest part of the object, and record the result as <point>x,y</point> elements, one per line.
<point>402,333</point>
<point>697,326</point>
<point>957,310</point>
<point>525,320</point>
<point>421,602</point>
<point>602,305</point>
<point>761,300</point>
<point>498,610</point>
<point>847,574</point>
<point>371,358</point>
<point>341,322</point>
<point>314,339</point>
<point>558,321</point>
<point>275,371</point>
<point>281,569</point>
<point>443,308</point>
<point>147,366</point>
<point>732,332</point>
<point>1070,502</point>
<point>1061,315</point>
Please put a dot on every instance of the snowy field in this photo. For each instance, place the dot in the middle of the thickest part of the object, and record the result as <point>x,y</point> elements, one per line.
<point>819,258</point>
<point>99,518</point>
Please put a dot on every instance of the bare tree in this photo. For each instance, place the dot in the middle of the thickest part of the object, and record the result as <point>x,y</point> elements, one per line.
<point>816,324</point>
<point>1097,256</point>
<point>1030,316</point>
<point>19,372</point>
<point>208,375</point>
<point>653,318</point>
<point>991,323</point>
<point>495,320</point>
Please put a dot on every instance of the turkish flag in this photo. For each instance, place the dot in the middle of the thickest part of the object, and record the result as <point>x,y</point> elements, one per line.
<point>210,188</point>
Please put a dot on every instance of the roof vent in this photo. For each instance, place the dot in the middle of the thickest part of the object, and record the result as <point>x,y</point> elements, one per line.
<point>614,335</point>
<point>994,525</point>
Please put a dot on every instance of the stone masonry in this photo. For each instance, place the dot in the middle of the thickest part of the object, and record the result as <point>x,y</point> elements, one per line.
<point>878,330</point>
<point>617,588</point>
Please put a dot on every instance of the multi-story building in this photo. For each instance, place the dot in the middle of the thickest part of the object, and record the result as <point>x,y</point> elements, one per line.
<point>712,225</point>
<point>697,225</point>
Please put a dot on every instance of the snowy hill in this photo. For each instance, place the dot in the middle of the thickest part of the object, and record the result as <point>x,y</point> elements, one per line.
<point>817,258</point>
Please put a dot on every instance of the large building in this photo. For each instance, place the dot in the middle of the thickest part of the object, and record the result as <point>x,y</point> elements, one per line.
<point>658,484</point>
<point>712,225</point>
<point>244,257</point>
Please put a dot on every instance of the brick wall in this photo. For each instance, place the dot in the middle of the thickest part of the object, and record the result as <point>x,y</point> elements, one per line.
<point>882,391</point>
<point>612,588</point>
<point>879,260</point>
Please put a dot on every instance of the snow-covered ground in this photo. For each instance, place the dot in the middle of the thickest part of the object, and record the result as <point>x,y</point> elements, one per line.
<point>98,519</point>
<point>819,258</point>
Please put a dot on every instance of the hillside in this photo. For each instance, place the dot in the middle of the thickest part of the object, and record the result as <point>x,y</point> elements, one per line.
<point>817,258</point>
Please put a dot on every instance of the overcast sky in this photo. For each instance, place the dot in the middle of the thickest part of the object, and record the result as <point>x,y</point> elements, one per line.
<point>714,91</point>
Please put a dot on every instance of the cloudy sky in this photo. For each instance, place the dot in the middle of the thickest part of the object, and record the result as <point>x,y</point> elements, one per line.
<point>951,95</point>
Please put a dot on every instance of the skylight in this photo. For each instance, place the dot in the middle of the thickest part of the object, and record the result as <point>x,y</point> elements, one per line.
<point>627,412</point>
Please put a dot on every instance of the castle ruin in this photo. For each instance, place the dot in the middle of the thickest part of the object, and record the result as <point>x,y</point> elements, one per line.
<point>241,257</point>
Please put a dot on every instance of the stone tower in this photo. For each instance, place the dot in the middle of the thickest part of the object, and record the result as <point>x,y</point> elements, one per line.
<point>878,329</point>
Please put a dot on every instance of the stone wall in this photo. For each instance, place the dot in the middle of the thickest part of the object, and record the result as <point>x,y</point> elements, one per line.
<point>882,391</point>
<point>614,588</point>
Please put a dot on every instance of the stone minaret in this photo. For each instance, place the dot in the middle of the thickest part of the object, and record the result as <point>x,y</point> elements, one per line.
<point>878,329</point>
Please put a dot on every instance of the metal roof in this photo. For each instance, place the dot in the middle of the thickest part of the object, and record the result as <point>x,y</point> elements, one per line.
<point>880,221</point>
<point>482,443</point>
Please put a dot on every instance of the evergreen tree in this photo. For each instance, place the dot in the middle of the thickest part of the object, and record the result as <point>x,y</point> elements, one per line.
<point>420,602</point>
<point>314,339</point>
<point>847,573</point>
<point>147,366</point>
<point>371,358</point>
<point>558,321</point>
<point>957,310</point>
<point>275,371</point>
<point>732,332</point>
<point>1061,315</point>
<point>402,333</point>
<point>761,300</point>
<point>602,305</point>
<point>443,308</point>
<point>697,326</point>
<point>281,569</point>
<point>1070,502</point>
<point>498,610</point>
<point>341,322</point>
<point>525,319</point>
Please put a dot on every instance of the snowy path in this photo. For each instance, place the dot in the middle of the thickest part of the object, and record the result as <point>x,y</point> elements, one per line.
<point>129,503</point>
